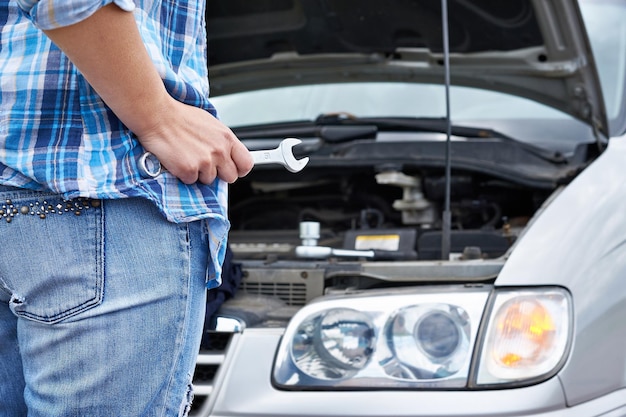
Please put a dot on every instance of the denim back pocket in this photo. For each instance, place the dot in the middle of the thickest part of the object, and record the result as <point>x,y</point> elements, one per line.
<point>51,260</point>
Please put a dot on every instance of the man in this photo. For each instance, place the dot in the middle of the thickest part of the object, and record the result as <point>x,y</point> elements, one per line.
<point>102,271</point>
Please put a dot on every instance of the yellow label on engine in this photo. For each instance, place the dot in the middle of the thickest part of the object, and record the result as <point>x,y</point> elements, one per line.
<point>381,242</point>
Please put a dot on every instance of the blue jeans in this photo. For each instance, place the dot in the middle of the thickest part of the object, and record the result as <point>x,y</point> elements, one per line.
<point>101,307</point>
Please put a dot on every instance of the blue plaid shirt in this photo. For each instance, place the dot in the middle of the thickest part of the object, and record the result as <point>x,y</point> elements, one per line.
<point>57,134</point>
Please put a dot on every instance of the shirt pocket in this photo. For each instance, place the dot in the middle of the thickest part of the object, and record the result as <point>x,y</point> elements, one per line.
<point>52,255</point>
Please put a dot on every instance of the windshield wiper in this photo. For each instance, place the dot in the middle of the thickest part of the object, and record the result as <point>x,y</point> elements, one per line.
<point>327,132</point>
<point>435,125</point>
<point>343,128</point>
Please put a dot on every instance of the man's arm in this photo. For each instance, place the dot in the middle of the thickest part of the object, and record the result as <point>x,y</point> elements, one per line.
<point>193,145</point>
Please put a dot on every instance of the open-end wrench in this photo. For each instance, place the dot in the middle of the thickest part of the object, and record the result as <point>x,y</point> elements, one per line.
<point>282,155</point>
<point>150,167</point>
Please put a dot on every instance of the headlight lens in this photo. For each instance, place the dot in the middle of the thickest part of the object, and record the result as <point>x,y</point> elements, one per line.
<point>527,336</point>
<point>383,339</point>
<point>334,344</point>
<point>426,338</point>
<point>438,335</point>
<point>429,341</point>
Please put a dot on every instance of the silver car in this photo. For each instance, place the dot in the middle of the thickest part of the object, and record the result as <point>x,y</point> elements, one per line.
<point>456,245</point>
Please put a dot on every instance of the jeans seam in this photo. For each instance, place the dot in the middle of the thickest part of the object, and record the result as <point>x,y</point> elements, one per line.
<point>182,333</point>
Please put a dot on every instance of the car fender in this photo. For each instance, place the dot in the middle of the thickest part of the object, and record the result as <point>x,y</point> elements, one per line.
<point>579,242</point>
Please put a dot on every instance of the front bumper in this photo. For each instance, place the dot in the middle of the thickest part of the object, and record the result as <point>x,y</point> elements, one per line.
<point>242,387</point>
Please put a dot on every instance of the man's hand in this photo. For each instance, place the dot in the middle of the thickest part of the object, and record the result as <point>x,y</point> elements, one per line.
<point>194,146</point>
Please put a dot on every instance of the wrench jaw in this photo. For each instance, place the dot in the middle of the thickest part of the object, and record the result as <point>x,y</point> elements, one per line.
<point>282,155</point>
<point>149,166</point>
<point>290,162</point>
<point>297,164</point>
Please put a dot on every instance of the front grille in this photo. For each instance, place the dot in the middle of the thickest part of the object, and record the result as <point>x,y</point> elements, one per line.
<point>213,341</point>
<point>213,350</point>
<point>292,293</point>
<point>293,286</point>
<point>205,373</point>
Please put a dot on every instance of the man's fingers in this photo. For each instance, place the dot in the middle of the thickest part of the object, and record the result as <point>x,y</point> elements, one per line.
<point>186,175</point>
<point>242,158</point>
<point>207,177</point>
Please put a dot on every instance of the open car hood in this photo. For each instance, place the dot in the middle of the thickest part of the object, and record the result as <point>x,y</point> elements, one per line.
<point>534,49</point>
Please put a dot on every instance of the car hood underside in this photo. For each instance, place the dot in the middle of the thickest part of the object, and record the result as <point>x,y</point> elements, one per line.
<point>537,50</point>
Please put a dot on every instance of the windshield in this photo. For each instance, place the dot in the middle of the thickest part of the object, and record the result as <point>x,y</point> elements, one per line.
<point>606,25</point>
<point>375,100</point>
<point>469,106</point>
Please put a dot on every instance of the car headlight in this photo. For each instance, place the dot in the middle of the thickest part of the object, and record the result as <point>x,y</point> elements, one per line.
<point>402,338</point>
<point>425,338</point>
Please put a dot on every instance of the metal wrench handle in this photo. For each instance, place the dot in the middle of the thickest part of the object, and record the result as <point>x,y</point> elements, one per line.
<point>267,156</point>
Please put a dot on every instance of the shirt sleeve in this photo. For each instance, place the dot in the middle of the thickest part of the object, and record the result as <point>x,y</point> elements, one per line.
<point>53,14</point>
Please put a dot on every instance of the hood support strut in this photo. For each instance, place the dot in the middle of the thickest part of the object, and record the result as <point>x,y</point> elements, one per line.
<point>446,216</point>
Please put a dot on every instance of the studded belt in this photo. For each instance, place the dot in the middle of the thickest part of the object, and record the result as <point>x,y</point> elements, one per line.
<point>43,208</point>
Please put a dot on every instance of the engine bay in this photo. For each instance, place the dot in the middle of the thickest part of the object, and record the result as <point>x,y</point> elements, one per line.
<point>393,213</point>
